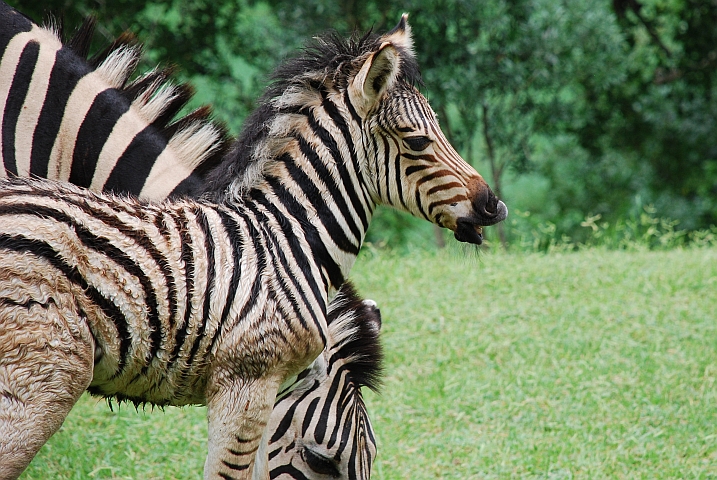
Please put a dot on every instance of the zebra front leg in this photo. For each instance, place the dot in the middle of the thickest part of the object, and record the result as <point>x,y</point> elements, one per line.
<point>239,411</point>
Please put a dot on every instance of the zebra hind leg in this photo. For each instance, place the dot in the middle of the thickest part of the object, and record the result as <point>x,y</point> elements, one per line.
<point>238,411</point>
<point>46,361</point>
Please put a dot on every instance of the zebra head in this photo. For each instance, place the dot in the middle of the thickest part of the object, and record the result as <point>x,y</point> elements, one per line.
<point>342,129</point>
<point>320,424</point>
<point>411,165</point>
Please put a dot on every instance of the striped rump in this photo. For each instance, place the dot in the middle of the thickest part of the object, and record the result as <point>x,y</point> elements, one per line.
<point>67,118</point>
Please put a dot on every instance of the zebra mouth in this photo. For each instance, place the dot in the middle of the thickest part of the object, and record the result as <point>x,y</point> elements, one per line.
<point>469,232</point>
<point>470,229</point>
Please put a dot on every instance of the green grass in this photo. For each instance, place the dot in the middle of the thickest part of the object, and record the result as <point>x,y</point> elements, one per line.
<point>592,364</point>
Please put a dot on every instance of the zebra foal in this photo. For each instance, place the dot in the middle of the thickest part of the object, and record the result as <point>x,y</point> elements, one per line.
<point>342,130</point>
<point>151,167</point>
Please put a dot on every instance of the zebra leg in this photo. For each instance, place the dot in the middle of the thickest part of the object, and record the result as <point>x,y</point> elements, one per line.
<point>238,411</point>
<point>46,361</point>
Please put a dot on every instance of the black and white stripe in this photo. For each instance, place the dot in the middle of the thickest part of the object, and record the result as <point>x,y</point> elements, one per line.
<point>320,425</point>
<point>291,205</point>
<point>66,68</point>
<point>66,118</point>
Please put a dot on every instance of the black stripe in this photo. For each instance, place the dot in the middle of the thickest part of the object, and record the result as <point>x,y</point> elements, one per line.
<point>351,108</point>
<point>232,230</point>
<point>15,101</point>
<point>397,172</point>
<point>298,254</point>
<point>109,309</point>
<point>235,466</point>
<point>316,197</point>
<point>309,415</point>
<point>180,334</point>
<point>286,421</point>
<point>387,167</point>
<point>164,265</point>
<point>107,108</point>
<point>13,23</point>
<point>103,245</point>
<point>320,431</point>
<point>190,186</point>
<point>343,405</point>
<point>332,110</point>
<point>261,267</point>
<point>280,273</point>
<point>134,165</point>
<point>141,238</point>
<point>319,251</point>
<point>210,273</point>
<point>66,72</point>
<point>290,471</point>
<point>346,179</point>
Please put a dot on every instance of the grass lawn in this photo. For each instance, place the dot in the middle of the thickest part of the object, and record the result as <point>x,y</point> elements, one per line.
<point>596,364</point>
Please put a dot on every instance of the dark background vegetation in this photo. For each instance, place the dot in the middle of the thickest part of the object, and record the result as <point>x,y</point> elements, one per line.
<point>581,114</point>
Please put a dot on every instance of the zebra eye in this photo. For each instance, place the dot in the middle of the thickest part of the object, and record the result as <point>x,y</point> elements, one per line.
<point>417,144</point>
<point>320,464</point>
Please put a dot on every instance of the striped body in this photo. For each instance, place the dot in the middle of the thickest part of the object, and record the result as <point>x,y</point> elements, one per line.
<point>179,381</point>
<point>174,303</point>
<point>62,118</point>
<point>341,131</point>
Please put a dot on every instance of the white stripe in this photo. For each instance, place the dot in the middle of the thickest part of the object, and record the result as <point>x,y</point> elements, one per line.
<point>124,131</point>
<point>8,65</point>
<point>34,100</point>
<point>78,105</point>
<point>167,172</point>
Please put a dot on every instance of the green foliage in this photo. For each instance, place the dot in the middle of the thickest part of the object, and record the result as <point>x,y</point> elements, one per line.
<point>568,109</point>
<point>642,231</point>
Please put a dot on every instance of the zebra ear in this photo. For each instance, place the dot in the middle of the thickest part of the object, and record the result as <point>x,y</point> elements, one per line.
<point>376,75</point>
<point>372,315</point>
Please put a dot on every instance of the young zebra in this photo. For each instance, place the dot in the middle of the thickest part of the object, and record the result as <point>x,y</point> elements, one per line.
<point>65,118</point>
<point>295,452</point>
<point>219,302</point>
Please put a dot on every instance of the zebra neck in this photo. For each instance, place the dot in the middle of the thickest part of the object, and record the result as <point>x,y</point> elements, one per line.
<point>323,211</point>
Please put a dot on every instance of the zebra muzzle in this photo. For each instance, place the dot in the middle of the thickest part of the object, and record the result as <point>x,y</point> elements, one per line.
<point>469,232</point>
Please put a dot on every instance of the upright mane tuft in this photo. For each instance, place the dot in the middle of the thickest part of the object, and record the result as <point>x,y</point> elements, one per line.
<point>198,142</point>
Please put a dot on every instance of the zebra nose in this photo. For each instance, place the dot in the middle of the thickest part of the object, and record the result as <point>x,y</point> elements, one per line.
<point>488,208</point>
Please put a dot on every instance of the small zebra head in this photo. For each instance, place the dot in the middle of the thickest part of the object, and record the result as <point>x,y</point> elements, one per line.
<point>343,128</point>
<point>411,164</point>
<point>320,423</point>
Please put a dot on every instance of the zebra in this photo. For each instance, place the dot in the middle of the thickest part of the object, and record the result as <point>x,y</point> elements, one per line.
<point>341,130</point>
<point>70,119</point>
<point>332,436</point>
<point>302,450</point>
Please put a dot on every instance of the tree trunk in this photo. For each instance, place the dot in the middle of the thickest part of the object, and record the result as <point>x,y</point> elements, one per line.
<point>496,171</point>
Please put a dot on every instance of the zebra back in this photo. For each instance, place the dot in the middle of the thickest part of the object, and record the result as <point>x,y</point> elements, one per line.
<point>67,118</point>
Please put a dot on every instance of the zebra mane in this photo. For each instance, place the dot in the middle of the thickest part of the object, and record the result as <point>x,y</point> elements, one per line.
<point>354,328</point>
<point>198,141</point>
<point>330,56</point>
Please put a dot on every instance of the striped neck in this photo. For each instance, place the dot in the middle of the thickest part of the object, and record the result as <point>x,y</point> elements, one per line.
<point>317,180</point>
